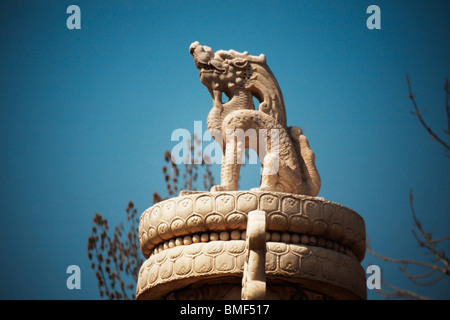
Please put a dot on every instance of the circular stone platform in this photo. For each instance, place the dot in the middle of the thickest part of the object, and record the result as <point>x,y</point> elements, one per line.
<point>195,247</point>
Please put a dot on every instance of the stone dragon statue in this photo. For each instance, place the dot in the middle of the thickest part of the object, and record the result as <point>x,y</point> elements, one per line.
<point>284,242</point>
<point>241,77</point>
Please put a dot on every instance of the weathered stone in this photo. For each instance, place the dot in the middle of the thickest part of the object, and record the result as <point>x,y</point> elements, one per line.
<point>278,241</point>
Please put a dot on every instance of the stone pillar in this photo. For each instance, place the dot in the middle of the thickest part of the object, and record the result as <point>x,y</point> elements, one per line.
<point>196,247</point>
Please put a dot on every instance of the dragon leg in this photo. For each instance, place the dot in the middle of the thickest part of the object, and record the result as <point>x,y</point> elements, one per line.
<point>234,129</point>
<point>231,165</point>
<point>269,174</point>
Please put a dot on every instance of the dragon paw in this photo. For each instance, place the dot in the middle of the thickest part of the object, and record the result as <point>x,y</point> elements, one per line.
<point>223,188</point>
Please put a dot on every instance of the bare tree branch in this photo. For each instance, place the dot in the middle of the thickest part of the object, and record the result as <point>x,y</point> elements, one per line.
<point>439,265</point>
<point>447,108</point>
<point>434,272</point>
<point>406,261</point>
<point>422,121</point>
<point>400,293</point>
<point>429,244</point>
<point>117,258</point>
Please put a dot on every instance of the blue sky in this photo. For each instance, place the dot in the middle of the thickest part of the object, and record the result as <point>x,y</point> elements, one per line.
<point>86,115</point>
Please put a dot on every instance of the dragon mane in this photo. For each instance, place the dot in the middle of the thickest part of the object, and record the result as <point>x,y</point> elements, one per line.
<point>258,79</point>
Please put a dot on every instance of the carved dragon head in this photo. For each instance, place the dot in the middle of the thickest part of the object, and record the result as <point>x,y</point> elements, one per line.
<point>226,71</point>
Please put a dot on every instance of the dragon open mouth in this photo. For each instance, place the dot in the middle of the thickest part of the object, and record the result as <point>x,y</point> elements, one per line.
<point>209,67</point>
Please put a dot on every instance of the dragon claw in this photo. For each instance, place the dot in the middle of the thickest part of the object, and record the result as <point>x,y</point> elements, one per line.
<point>222,188</point>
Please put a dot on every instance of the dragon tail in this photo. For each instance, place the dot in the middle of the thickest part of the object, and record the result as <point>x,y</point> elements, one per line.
<point>306,158</point>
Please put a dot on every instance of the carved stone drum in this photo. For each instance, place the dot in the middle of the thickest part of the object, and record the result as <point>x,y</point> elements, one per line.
<point>197,247</point>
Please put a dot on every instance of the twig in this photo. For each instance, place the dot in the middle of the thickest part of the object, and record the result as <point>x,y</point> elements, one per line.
<point>429,244</point>
<point>401,293</point>
<point>406,261</point>
<point>447,108</point>
<point>428,238</point>
<point>422,121</point>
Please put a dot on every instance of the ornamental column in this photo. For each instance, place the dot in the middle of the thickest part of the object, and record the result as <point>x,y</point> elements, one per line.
<point>196,247</point>
<point>279,241</point>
